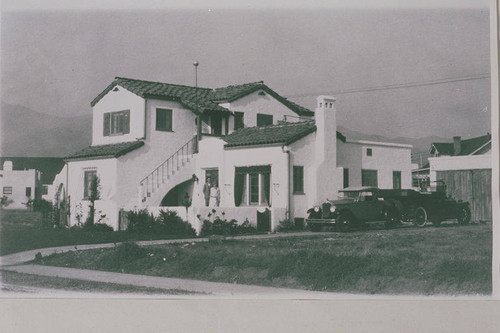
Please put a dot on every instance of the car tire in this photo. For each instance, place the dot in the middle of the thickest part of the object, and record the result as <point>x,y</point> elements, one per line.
<point>420,217</point>
<point>315,227</point>
<point>391,218</point>
<point>464,215</point>
<point>345,222</point>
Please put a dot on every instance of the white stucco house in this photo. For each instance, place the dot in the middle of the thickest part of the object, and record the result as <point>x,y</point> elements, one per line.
<point>19,186</point>
<point>154,144</point>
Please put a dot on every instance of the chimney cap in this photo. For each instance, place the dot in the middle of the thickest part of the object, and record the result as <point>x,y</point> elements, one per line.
<point>325,98</point>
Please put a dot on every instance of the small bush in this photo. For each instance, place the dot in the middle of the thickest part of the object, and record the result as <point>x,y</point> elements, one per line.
<point>38,256</point>
<point>224,227</point>
<point>99,227</point>
<point>289,225</point>
<point>141,221</point>
<point>174,225</point>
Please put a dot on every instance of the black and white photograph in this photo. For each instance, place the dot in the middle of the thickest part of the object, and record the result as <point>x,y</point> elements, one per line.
<point>205,152</point>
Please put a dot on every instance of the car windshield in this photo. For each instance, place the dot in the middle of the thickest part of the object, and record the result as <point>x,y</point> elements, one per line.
<point>350,194</point>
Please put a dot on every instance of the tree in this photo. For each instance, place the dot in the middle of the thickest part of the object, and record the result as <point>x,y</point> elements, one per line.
<point>94,195</point>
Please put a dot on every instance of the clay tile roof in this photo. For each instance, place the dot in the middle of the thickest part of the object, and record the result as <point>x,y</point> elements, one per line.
<point>233,92</point>
<point>285,133</point>
<point>197,99</point>
<point>468,146</point>
<point>100,151</point>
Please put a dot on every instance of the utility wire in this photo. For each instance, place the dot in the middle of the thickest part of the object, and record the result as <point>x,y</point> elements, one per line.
<point>399,86</point>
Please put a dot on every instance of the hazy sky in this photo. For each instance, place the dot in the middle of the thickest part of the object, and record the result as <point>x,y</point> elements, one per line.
<point>58,61</point>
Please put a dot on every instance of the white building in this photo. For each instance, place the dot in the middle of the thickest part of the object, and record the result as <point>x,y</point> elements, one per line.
<point>155,143</point>
<point>19,187</point>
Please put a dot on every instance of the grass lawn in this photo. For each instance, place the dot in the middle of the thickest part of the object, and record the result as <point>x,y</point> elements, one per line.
<point>23,230</point>
<point>21,279</point>
<point>453,260</point>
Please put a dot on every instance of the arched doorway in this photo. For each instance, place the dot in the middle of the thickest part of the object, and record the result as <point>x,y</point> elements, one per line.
<point>178,195</point>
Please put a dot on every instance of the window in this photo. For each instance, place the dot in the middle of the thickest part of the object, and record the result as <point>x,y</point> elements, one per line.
<point>298,179</point>
<point>164,120</point>
<point>45,190</point>
<point>116,123</point>
<point>369,178</point>
<point>396,180</point>
<point>252,185</point>
<point>7,190</point>
<point>346,177</point>
<point>369,152</point>
<point>90,176</point>
<point>28,191</point>
<point>264,119</point>
<point>216,123</point>
<point>239,121</point>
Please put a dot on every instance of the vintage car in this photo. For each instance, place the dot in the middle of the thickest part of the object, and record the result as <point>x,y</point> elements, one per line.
<point>420,207</point>
<point>355,208</point>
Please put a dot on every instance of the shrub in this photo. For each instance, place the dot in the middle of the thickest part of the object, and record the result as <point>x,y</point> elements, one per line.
<point>174,225</point>
<point>224,227</point>
<point>288,225</point>
<point>141,221</point>
<point>100,227</point>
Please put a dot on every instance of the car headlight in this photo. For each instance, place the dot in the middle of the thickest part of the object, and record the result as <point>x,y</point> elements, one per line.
<point>332,209</point>
<point>316,209</point>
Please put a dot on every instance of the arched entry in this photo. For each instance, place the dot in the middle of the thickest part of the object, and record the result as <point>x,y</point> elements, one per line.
<point>178,195</point>
<point>60,207</point>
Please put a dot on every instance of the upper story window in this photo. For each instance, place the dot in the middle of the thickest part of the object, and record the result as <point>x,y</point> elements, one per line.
<point>164,120</point>
<point>369,152</point>
<point>264,119</point>
<point>239,120</point>
<point>116,123</point>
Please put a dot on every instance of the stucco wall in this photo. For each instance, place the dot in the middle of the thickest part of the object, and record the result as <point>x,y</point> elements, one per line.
<point>158,147</point>
<point>384,159</point>
<point>118,101</point>
<point>106,172</point>
<point>19,180</point>
<point>255,103</point>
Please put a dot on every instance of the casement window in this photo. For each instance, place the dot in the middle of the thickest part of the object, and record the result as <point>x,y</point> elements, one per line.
<point>45,190</point>
<point>7,190</point>
<point>239,121</point>
<point>369,152</point>
<point>212,176</point>
<point>369,178</point>
<point>346,177</point>
<point>252,185</point>
<point>298,179</point>
<point>116,123</point>
<point>89,177</point>
<point>264,119</point>
<point>164,120</point>
<point>396,180</point>
<point>28,191</point>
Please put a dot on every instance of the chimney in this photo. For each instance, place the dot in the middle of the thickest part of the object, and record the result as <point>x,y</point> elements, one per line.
<point>325,149</point>
<point>7,166</point>
<point>457,145</point>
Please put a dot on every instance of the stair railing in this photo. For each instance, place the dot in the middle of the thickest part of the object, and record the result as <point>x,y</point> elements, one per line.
<point>156,178</point>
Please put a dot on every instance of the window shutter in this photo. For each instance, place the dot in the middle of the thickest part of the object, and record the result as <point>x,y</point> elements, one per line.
<point>126,122</point>
<point>106,124</point>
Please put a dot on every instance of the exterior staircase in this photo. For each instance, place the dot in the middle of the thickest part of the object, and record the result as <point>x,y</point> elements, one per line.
<point>177,169</point>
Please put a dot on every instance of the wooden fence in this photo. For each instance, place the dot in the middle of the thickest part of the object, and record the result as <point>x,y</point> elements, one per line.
<point>473,186</point>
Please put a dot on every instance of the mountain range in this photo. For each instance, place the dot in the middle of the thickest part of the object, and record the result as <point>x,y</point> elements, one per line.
<point>27,133</point>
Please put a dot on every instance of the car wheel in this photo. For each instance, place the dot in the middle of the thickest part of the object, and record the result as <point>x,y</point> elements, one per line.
<point>391,218</point>
<point>420,217</point>
<point>464,215</point>
<point>315,227</point>
<point>345,222</point>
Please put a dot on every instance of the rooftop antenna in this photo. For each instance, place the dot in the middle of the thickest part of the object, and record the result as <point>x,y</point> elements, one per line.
<point>195,64</point>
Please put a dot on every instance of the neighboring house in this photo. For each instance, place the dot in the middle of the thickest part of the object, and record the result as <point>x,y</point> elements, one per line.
<point>464,168</point>
<point>156,144</point>
<point>19,187</point>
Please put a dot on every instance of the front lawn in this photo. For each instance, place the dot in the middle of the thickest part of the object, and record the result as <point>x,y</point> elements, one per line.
<point>449,260</point>
<point>23,230</point>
